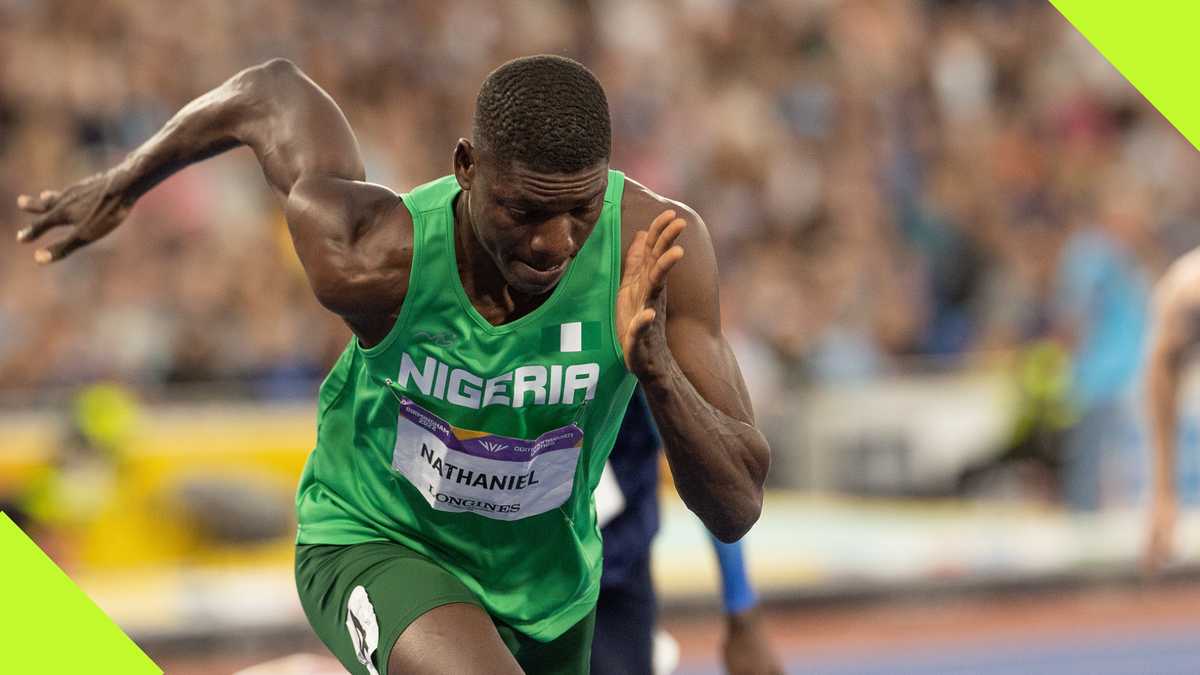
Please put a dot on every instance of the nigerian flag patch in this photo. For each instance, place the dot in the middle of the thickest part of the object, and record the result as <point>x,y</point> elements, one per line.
<point>576,336</point>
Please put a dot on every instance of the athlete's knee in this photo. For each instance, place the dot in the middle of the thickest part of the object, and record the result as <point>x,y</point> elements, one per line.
<point>455,638</point>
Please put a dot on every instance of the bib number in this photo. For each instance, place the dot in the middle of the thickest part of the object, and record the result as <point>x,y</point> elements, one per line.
<point>498,477</point>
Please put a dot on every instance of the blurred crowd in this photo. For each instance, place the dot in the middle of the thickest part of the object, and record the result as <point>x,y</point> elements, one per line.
<point>887,182</point>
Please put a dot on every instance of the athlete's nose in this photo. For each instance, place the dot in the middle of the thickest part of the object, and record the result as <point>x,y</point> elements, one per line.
<point>552,243</point>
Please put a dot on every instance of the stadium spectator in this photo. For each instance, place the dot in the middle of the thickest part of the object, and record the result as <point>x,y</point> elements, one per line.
<point>885,180</point>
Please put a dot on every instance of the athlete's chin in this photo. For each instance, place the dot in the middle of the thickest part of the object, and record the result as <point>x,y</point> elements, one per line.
<point>525,288</point>
<point>533,281</point>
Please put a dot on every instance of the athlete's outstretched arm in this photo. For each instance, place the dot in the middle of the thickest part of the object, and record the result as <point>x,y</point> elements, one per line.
<point>1175,330</point>
<point>672,338</point>
<point>308,154</point>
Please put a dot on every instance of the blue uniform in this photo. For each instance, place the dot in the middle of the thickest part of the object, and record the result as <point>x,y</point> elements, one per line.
<point>634,461</point>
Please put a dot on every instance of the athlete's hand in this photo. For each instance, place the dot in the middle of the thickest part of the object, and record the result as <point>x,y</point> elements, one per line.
<point>641,303</point>
<point>746,649</point>
<point>1161,535</point>
<point>91,208</point>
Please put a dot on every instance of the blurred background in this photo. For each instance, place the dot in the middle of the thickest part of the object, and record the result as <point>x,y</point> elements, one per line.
<point>937,225</point>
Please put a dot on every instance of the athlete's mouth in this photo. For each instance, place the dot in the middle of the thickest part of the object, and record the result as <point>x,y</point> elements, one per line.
<point>542,276</point>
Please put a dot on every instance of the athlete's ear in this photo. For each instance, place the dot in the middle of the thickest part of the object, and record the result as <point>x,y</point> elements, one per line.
<point>465,163</point>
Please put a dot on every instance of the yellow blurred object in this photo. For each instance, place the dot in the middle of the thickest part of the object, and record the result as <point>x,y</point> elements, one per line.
<point>107,414</point>
<point>1044,380</point>
<point>143,525</point>
<point>133,518</point>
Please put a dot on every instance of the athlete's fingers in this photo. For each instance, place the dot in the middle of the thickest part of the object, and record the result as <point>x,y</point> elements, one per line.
<point>639,243</point>
<point>59,250</point>
<point>668,236</point>
<point>661,221</point>
<point>41,225</point>
<point>658,274</point>
<point>40,204</point>
<point>636,255</point>
<point>30,204</point>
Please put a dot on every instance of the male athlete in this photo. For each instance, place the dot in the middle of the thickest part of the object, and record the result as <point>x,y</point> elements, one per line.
<point>502,316</point>
<point>1174,335</point>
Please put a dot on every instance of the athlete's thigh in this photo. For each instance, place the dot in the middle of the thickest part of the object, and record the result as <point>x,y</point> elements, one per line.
<point>457,638</point>
<point>361,598</point>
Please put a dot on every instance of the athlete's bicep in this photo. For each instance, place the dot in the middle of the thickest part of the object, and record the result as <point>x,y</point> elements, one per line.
<point>354,240</point>
<point>694,325</point>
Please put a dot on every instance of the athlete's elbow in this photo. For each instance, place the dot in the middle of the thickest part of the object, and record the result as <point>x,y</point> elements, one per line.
<point>277,69</point>
<point>740,511</point>
<point>265,83</point>
<point>736,524</point>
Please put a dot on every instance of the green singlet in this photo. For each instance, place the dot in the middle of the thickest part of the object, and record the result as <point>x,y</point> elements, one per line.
<point>479,446</point>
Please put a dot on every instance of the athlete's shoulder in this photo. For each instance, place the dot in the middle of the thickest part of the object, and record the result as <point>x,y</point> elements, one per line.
<point>378,218</point>
<point>639,201</point>
<point>1179,288</point>
<point>640,206</point>
<point>1176,308</point>
<point>355,241</point>
<point>1184,271</point>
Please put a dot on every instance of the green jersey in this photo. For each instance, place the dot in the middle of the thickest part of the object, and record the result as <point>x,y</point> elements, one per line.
<point>476,445</point>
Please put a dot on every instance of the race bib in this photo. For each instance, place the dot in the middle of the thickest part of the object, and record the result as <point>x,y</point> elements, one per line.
<point>472,471</point>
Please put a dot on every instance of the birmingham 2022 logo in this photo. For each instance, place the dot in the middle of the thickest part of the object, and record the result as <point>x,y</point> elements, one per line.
<point>493,447</point>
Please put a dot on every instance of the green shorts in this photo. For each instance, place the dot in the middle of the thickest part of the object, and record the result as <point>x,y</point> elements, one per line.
<point>360,598</point>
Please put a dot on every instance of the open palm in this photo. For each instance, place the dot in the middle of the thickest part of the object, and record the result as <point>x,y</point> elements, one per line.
<point>640,307</point>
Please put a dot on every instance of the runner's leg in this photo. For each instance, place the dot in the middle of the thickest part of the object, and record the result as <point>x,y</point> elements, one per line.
<point>457,638</point>
<point>379,604</point>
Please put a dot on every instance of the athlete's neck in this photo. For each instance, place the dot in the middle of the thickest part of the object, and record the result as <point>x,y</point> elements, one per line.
<point>486,287</point>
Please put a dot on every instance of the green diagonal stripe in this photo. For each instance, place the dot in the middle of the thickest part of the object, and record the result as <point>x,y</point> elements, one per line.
<point>48,625</point>
<point>1153,44</point>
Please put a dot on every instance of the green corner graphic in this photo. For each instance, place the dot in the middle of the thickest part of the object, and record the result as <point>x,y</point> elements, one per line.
<point>48,625</point>
<point>1153,45</point>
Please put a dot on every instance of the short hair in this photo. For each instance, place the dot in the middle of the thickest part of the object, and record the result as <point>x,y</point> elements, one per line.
<point>546,112</point>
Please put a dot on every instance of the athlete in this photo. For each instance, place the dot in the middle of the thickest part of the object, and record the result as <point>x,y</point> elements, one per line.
<point>1175,333</point>
<point>502,316</point>
<point>626,641</point>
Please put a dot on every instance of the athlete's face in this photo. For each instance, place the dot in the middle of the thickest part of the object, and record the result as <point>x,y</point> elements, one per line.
<point>531,224</point>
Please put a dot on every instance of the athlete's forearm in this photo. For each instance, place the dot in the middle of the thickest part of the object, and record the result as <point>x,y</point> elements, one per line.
<point>719,463</point>
<point>294,128</point>
<point>1162,384</point>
